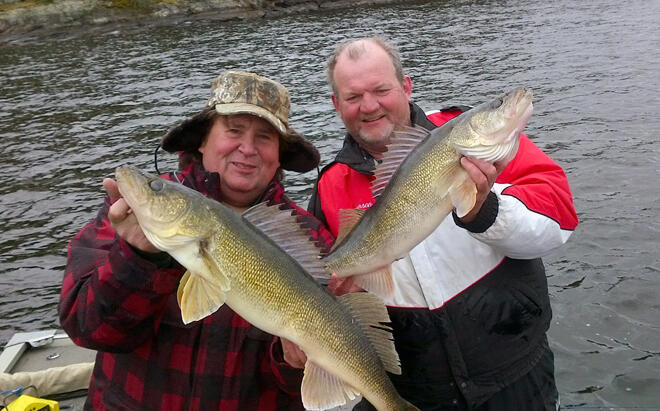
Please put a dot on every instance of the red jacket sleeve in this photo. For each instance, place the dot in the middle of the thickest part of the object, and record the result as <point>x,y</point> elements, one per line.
<point>540,184</point>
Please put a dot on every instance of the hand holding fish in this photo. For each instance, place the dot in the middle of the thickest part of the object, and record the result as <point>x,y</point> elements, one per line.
<point>124,221</point>
<point>340,286</point>
<point>292,354</point>
<point>483,174</point>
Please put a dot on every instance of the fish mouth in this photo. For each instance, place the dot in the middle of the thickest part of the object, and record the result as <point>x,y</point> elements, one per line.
<point>131,182</point>
<point>496,129</point>
<point>148,197</point>
<point>520,104</point>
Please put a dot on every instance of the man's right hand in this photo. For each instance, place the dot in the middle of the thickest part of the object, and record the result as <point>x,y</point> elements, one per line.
<point>340,286</point>
<point>123,220</point>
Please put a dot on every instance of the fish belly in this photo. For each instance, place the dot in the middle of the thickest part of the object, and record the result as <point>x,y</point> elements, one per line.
<point>392,236</point>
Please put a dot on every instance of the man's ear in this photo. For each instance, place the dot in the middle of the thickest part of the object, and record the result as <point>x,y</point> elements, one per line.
<point>407,86</point>
<point>334,101</point>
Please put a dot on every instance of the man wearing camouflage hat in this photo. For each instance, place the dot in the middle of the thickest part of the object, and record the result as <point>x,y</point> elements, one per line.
<point>119,291</point>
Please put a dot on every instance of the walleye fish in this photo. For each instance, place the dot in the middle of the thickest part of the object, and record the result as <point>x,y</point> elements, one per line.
<point>418,183</point>
<point>233,259</point>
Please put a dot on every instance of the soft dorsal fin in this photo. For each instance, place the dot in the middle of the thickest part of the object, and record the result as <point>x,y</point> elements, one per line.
<point>321,390</point>
<point>283,227</point>
<point>348,218</point>
<point>371,315</point>
<point>402,141</point>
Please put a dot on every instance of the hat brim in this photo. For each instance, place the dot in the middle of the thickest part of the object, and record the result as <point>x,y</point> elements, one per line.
<point>188,134</point>
<point>244,108</point>
<point>296,153</point>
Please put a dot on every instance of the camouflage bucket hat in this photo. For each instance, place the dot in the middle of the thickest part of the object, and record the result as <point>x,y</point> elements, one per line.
<point>240,92</point>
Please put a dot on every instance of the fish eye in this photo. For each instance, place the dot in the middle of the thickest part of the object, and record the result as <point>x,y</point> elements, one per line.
<point>156,184</point>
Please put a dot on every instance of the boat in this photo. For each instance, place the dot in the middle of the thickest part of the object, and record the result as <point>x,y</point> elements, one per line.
<point>50,373</point>
<point>44,370</point>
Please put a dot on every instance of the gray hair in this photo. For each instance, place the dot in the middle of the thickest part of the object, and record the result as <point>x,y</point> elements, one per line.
<point>355,48</point>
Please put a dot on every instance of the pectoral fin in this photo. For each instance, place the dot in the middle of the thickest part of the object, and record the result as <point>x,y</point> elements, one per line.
<point>321,390</point>
<point>463,194</point>
<point>198,297</point>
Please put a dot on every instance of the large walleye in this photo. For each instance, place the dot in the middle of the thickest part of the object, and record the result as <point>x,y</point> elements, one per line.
<point>233,259</point>
<point>419,182</point>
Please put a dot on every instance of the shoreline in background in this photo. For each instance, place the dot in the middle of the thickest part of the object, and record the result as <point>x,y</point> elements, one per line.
<point>30,19</point>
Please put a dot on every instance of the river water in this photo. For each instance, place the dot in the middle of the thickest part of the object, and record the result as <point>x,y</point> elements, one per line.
<point>74,106</point>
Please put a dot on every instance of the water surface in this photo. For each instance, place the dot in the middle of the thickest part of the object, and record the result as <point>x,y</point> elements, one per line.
<point>73,107</point>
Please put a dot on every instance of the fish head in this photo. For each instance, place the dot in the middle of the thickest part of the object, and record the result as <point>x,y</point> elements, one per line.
<point>164,209</point>
<point>491,131</point>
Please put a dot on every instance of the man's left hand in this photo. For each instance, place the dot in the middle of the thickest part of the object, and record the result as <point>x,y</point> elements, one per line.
<point>293,355</point>
<point>484,175</point>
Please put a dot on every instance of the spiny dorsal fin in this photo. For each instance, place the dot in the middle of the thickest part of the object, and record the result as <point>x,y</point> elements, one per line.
<point>370,313</point>
<point>402,141</point>
<point>283,227</point>
<point>321,390</point>
<point>348,218</point>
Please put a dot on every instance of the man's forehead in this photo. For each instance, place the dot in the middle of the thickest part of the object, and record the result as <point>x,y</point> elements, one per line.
<point>247,119</point>
<point>367,78</point>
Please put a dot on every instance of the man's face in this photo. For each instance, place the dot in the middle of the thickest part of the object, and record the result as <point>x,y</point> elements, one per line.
<point>370,100</point>
<point>244,150</point>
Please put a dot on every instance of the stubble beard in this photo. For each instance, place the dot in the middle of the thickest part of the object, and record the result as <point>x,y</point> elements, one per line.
<point>376,142</point>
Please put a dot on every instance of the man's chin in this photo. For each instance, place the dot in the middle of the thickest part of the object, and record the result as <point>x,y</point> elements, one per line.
<point>376,137</point>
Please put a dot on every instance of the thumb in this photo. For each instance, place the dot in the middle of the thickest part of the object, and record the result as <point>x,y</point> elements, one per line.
<point>500,166</point>
<point>112,189</point>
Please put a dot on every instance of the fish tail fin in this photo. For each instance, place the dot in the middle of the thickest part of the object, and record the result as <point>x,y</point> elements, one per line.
<point>379,282</point>
<point>371,314</point>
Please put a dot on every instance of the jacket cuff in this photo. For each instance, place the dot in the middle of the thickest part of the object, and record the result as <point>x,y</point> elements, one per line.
<point>485,218</point>
<point>161,259</point>
<point>138,273</point>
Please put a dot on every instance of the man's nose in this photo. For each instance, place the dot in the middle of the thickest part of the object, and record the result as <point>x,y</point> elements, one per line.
<point>369,103</point>
<point>247,146</point>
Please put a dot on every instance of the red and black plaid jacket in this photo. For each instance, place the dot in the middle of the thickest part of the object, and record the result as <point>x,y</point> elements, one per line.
<point>123,304</point>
